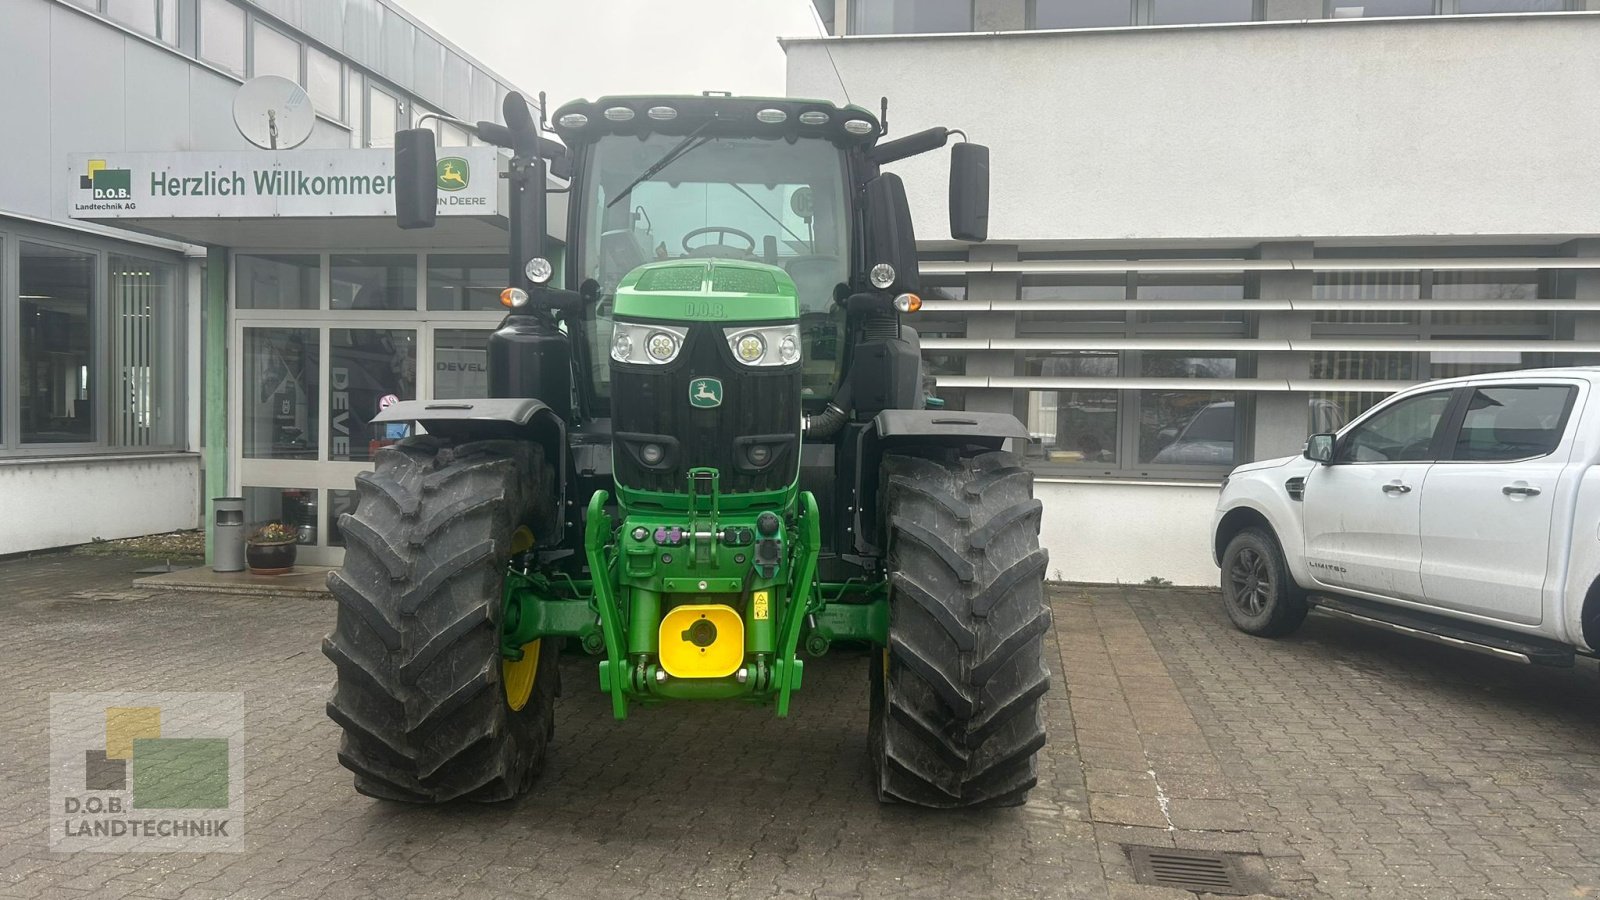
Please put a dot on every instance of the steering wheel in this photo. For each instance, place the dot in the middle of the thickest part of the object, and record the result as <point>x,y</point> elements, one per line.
<point>719,247</point>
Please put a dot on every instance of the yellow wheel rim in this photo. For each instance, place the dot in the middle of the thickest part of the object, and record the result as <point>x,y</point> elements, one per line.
<point>519,675</point>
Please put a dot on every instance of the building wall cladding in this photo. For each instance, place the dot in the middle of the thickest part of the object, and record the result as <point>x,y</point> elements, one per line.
<point>1377,128</point>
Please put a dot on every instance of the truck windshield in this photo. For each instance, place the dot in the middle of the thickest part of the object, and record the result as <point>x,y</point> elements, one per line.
<point>667,197</point>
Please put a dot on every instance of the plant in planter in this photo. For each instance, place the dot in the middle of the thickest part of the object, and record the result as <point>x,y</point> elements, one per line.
<point>270,549</point>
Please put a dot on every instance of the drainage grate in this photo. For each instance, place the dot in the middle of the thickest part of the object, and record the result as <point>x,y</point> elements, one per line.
<point>1189,870</point>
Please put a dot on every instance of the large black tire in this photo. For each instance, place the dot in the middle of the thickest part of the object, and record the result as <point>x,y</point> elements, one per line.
<point>956,696</point>
<point>1259,593</point>
<point>416,639</point>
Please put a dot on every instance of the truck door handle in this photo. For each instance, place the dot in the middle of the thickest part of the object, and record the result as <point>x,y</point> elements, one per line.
<point>1522,489</point>
<point>1397,488</point>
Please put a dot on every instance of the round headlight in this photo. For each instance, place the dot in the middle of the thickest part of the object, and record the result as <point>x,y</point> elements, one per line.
<point>771,116</point>
<point>622,347</point>
<point>662,346</point>
<point>814,117</point>
<point>619,114</point>
<point>881,276</point>
<point>751,348</point>
<point>662,113</point>
<point>858,126</point>
<point>651,454</point>
<point>538,270</point>
<point>573,120</point>
<point>513,298</point>
<point>788,349</point>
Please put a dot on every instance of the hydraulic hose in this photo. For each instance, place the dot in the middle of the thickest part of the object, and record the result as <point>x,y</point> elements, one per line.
<point>827,423</point>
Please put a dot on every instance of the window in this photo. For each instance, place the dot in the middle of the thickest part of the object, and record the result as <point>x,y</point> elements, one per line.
<point>355,113</point>
<point>1369,9</point>
<point>281,393</point>
<point>156,18</point>
<point>222,35</point>
<point>1187,427</point>
<point>57,341</point>
<point>1400,433</point>
<point>461,281</point>
<point>460,364</point>
<point>384,118</point>
<point>1508,6</point>
<point>144,398</point>
<point>1188,12</point>
<point>339,503</point>
<point>366,368</point>
<point>294,507</point>
<point>1080,13</point>
<point>1513,422</point>
<point>325,83</point>
<point>911,16</point>
<point>275,53</point>
<point>372,282</point>
<point>278,282</point>
<point>1074,426</point>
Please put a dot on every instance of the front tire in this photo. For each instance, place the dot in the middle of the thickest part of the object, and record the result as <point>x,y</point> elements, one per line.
<point>1257,590</point>
<point>956,717</point>
<point>422,688</point>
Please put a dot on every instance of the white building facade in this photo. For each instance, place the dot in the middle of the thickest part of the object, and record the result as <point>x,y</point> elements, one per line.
<point>1220,225</point>
<point>103,365</point>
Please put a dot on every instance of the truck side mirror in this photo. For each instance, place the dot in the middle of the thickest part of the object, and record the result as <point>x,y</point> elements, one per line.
<point>890,237</point>
<point>416,179</point>
<point>969,192</point>
<point>1319,448</point>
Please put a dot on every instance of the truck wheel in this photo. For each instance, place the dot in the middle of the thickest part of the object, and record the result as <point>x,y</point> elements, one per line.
<point>956,717</point>
<point>431,710</point>
<point>1257,589</point>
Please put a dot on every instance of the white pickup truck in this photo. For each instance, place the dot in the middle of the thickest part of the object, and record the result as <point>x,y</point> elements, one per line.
<point>1464,511</point>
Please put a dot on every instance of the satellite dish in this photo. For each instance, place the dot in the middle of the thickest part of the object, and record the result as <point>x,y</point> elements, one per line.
<point>273,112</point>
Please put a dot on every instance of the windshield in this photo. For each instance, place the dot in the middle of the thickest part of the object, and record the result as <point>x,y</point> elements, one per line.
<point>671,197</point>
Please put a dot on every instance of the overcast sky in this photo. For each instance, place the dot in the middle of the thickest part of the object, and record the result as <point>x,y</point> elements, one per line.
<point>596,47</point>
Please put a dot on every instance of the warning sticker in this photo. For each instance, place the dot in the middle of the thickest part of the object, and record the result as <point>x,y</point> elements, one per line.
<point>758,601</point>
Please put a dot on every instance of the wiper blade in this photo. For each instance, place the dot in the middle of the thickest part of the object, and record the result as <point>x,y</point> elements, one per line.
<point>671,156</point>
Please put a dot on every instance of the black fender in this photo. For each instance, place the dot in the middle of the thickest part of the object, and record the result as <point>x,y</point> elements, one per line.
<point>522,419</point>
<point>910,429</point>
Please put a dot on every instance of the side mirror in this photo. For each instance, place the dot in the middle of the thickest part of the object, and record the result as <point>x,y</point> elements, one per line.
<point>1319,448</point>
<point>416,179</point>
<point>890,237</point>
<point>969,192</point>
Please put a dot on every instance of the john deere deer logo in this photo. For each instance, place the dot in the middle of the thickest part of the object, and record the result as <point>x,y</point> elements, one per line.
<point>705,393</point>
<point>453,173</point>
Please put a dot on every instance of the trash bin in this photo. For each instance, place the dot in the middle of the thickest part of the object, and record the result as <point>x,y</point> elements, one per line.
<point>227,534</point>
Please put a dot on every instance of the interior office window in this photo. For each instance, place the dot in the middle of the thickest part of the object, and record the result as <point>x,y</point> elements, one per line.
<point>1372,9</point>
<point>1513,422</point>
<point>1197,289</point>
<point>372,281</point>
<point>275,52</point>
<point>1188,427</point>
<point>143,296</point>
<point>1509,6</point>
<point>1190,12</point>
<point>1372,288</point>
<point>1490,286</point>
<point>56,331</point>
<point>325,83</point>
<point>281,395</point>
<point>1080,13</point>
<point>368,368</point>
<point>1103,293</point>
<point>383,117</point>
<point>460,364</point>
<point>222,35</point>
<point>911,16</point>
<point>278,282</point>
<point>356,107</point>
<point>1074,427</point>
<point>460,281</point>
<point>143,16</point>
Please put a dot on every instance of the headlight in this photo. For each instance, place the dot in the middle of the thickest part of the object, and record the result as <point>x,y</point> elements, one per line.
<point>646,345</point>
<point>764,345</point>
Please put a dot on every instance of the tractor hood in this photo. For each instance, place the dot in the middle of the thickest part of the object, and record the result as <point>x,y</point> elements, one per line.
<point>709,290</point>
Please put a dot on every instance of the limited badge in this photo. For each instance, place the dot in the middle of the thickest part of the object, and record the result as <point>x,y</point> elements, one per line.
<point>758,600</point>
<point>705,393</point>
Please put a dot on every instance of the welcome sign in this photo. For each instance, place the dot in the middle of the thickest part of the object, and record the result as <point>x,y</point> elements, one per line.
<point>285,183</point>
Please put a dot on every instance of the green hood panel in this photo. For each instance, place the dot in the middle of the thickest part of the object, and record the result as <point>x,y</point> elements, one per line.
<point>708,290</point>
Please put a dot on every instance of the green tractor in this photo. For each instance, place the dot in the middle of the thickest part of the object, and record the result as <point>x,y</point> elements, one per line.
<point>707,456</point>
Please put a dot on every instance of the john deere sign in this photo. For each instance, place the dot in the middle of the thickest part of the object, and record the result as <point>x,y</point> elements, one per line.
<point>293,183</point>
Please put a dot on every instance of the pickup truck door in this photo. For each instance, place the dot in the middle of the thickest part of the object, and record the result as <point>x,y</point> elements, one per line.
<point>1487,508</point>
<point>1362,513</point>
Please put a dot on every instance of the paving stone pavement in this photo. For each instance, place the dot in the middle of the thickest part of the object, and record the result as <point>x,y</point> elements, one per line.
<point>1339,763</point>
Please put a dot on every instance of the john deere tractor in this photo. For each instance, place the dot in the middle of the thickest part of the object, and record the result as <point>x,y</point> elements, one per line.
<point>706,457</point>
